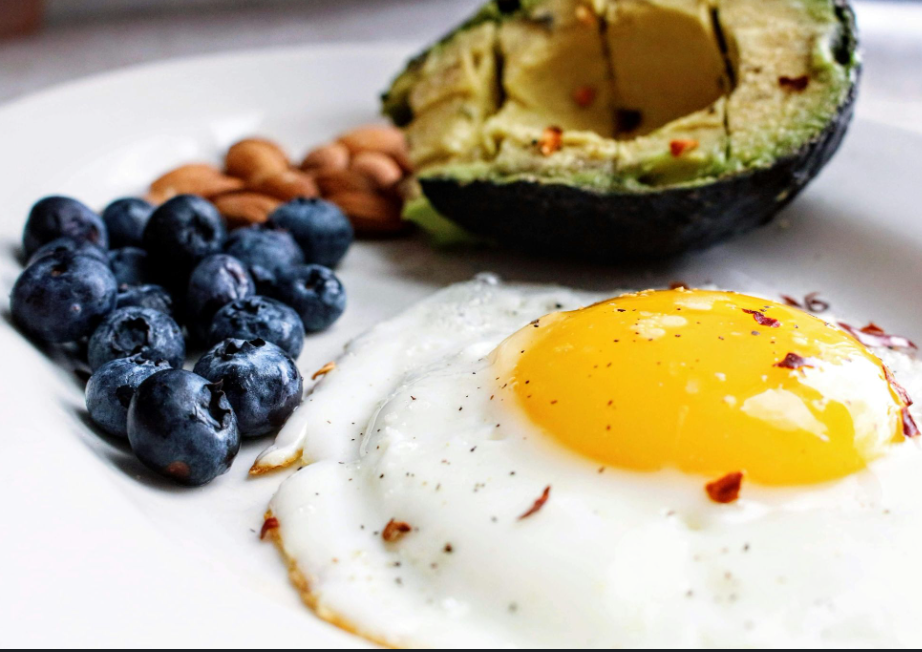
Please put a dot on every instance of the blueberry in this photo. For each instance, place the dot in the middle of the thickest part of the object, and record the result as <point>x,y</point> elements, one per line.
<point>137,331</point>
<point>130,266</point>
<point>181,426</point>
<point>315,293</point>
<point>181,233</point>
<point>109,391</point>
<point>55,217</point>
<point>319,227</point>
<point>62,298</point>
<point>216,281</point>
<point>261,381</point>
<point>125,220</point>
<point>265,251</point>
<point>69,245</point>
<point>259,318</point>
<point>146,296</point>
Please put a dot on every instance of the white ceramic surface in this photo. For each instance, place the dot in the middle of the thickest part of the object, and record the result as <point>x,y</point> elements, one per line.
<point>96,551</point>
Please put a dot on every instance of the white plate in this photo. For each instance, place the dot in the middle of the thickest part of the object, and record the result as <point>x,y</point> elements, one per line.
<point>98,552</point>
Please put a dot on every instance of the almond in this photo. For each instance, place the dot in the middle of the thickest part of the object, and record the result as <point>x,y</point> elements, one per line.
<point>255,158</point>
<point>193,179</point>
<point>333,182</point>
<point>371,214</point>
<point>287,185</point>
<point>402,158</point>
<point>374,138</point>
<point>334,156</point>
<point>380,168</point>
<point>246,208</point>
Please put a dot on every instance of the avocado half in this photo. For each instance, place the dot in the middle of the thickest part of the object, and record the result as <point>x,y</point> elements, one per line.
<point>627,129</point>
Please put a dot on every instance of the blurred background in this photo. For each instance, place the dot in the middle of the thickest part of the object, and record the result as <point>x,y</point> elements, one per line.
<point>45,42</point>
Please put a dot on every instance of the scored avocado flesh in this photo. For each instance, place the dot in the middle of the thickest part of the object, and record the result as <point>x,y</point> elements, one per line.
<point>645,93</point>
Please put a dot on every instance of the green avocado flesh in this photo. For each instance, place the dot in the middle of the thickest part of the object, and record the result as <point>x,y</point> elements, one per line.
<point>645,95</point>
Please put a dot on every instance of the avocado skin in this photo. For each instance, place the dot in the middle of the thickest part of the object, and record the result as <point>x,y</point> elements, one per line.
<point>614,227</point>
<point>560,220</point>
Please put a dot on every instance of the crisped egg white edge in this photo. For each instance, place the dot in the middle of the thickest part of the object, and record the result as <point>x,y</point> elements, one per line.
<point>311,599</point>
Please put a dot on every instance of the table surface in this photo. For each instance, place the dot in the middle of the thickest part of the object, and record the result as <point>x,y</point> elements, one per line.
<point>64,51</point>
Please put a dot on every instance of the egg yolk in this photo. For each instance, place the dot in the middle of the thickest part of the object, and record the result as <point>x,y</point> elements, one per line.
<point>706,382</point>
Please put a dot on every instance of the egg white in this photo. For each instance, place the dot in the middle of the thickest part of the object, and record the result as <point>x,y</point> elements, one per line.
<point>409,427</point>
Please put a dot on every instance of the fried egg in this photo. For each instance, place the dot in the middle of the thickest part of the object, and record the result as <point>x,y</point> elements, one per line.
<point>512,466</point>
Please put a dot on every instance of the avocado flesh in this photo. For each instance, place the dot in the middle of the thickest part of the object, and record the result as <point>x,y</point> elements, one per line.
<point>775,46</point>
<point>452,95</point>
<point>666,61</point>
<point>549,57</point>
<point>648,161</point>
<point>747,131</point>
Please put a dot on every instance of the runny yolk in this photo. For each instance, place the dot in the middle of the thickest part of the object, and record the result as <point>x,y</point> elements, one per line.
<point>706,382</point>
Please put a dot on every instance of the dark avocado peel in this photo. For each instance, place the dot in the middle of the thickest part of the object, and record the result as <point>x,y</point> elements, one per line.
<point>679,122</point>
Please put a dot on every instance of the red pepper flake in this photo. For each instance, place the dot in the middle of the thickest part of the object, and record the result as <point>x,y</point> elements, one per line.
<point>874,335</point>
<point>269,525</point>
<point>798,84</point>
<point>394,530</point>
<point>811,302</point>
<point>793,361</point>
<point>762,319</point>
<point>584,96</point>
<point>814,303</point>
<point>680,146</point>
<point>910,429</point>
<point>534,509</point>
<point>678,285</point>
<point>899,389</point>
<point>550,141</point>
<point>726,489</point>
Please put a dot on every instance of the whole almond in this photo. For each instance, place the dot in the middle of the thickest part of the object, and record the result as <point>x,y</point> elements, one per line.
<point>255,158</point>
<point>287,185</point>
<point>402,158</point>
<point>371,214</point>
<point>334,182</point>
<point>380,168</point>
<point>334,156</point>
<point>374,138</point>
<point>193,179</point>
<point>245,208</point>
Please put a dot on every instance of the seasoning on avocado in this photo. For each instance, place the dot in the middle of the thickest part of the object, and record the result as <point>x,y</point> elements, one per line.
<point>680,146</point>
<point>584,96</point>
<point>798,84</point>
<point>550,141</point>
